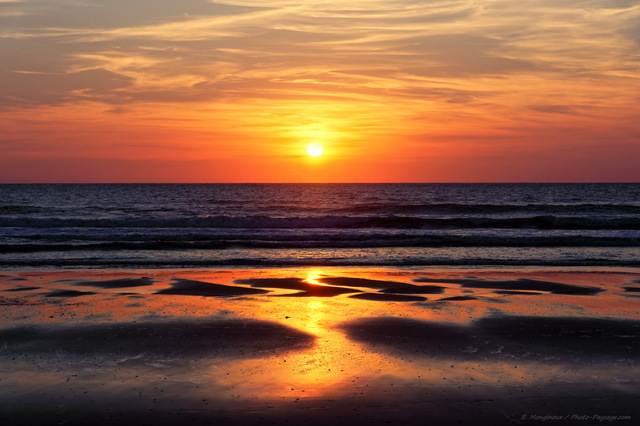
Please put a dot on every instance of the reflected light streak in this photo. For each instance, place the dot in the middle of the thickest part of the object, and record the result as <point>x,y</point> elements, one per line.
<point>313,275</point>
<point>336,367</point>
<point>319,372</point>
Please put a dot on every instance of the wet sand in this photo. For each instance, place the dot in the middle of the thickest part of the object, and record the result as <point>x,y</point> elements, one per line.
<point>320,346</point>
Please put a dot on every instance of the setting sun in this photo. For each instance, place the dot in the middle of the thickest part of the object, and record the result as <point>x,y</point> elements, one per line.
<point>315,149</point>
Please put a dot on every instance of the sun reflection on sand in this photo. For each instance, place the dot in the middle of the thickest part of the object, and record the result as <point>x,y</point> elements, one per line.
<point>320,371</point>
<point>313,275</point>
<point>291,349</point>
<point>317,372</point>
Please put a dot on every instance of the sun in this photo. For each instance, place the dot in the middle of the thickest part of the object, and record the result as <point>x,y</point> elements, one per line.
<point>315,149</point>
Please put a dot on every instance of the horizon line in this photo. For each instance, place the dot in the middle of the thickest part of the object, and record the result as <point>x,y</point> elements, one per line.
<point>322,183</point>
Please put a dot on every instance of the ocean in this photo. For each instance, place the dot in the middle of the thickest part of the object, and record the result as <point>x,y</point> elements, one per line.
<point>290,225</point>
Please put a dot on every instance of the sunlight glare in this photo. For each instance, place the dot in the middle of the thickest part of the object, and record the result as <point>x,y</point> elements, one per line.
<point>315,149</point>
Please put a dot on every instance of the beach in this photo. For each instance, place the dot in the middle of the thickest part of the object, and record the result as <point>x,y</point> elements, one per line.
<point>320,345</point>
<point>357,304</point>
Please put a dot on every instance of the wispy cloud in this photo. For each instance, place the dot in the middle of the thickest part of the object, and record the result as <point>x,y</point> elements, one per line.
<point>415,68</point>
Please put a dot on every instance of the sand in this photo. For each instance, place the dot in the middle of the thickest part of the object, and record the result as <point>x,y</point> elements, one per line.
<point>320,346</point>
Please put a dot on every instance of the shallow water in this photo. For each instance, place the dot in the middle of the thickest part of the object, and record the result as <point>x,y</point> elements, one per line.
<point>289,225</point>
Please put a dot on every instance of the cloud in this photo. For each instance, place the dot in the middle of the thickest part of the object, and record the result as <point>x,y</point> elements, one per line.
<point>33,88</point>
<point>410,71</point>
<point>198,51</point>
<point>460,55</point>
<point>554,109</point>
<point>94,14</point>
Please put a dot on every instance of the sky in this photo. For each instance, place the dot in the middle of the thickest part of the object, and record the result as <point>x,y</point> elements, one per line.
<point>394,90</point>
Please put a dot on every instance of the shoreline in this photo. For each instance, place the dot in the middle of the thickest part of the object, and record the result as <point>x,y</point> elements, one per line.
<point>287,345</point>
<point>427,268</point>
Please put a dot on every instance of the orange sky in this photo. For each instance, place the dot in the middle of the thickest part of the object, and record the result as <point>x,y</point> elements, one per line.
<point>395,90</point>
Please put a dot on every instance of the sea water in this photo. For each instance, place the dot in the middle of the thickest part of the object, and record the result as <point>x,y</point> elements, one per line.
<point>289,225</point>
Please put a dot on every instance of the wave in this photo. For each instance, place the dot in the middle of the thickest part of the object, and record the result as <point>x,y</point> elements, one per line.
<point>318,262</point>
<point>322,242</point>
<point>486,209</point>
<point>19,209</point>
<point>328,222</point>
